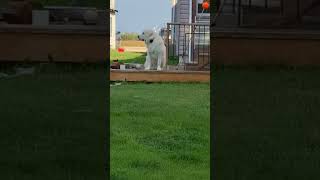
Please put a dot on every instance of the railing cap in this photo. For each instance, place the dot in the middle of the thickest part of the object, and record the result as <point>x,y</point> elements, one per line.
<point>197,24</point>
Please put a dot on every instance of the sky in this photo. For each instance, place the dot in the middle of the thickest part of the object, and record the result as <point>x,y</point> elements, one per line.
<point>137,15</point>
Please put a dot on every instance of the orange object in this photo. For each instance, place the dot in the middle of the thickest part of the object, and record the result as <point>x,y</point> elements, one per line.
<point>205,5</point>
<point>120,50</point>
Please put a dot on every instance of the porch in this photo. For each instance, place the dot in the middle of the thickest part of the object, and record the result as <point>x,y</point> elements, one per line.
<point>300,14</point>
<point>189,43</point>
<point>261,32</point>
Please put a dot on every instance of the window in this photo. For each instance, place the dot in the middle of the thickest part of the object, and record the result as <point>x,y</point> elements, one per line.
<point>200,9</point>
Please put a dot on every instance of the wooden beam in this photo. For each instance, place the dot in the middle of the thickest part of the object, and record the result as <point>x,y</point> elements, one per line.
<point>159,76</point>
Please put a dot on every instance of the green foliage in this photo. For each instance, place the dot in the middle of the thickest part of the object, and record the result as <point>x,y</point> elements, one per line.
<point>129,36</point>
<point>173,60</point>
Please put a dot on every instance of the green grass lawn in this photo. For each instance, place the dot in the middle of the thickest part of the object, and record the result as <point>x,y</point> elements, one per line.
<point>53,124</point>
<point>128,57</point>
<point>160,131</point>
<point>267,123</point>
<point>134,57</point>
<point>266,126</point>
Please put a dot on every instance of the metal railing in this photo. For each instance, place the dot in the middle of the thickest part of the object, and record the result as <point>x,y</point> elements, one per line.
<point>232,6</point>
<point>188,45</point>
<point>280,13</point>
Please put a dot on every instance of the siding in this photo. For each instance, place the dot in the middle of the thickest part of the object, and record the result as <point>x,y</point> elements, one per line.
<point>183,6</point>
<point>182,16</point>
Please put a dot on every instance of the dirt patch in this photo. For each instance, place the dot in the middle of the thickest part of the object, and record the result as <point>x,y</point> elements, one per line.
<point>132,43</point>
<point>135,49</point>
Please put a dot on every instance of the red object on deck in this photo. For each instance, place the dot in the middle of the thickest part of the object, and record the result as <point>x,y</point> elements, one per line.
<point>120,50</point>
<point>205,5</point>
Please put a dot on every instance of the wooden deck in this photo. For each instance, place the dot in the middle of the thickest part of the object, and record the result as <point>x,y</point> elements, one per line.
<point>58,43</point>
<point>159,76</point>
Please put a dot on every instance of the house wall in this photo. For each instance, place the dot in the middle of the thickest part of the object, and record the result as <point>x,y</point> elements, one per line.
<point>181,14</point>
<point>184,11</point>
<point>181,11</point>
<point>198,16</point>
<point>112,26</point>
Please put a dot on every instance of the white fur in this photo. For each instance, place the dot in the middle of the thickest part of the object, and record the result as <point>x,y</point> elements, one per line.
<point>156,50</point>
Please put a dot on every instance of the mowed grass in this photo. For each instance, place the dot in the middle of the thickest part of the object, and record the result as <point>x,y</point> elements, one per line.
<point>128,57</point>
<point>53,124</point>
<point>135,57</point>
<point>266,123</point>
<point>160,131</point>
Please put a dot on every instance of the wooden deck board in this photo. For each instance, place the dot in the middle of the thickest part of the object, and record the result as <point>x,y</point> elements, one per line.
<point>159,76</point>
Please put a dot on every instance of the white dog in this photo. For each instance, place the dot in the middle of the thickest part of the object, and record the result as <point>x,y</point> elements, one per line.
<point>156,50</point>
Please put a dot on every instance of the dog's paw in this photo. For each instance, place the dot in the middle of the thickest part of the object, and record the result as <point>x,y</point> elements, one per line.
<point>159,69</point>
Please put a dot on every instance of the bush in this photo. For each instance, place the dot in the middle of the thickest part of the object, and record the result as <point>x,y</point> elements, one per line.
<point>129,36</point>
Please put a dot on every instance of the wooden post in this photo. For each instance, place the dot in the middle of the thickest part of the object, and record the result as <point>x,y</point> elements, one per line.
<point>239,12</point>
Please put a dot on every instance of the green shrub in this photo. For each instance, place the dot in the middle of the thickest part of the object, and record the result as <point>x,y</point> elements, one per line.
<point>129,36</point>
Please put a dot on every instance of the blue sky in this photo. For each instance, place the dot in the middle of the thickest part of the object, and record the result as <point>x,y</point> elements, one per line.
<point>136,15</point>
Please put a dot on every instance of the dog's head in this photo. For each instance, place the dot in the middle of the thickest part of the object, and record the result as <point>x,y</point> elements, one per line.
<point>147,36</point>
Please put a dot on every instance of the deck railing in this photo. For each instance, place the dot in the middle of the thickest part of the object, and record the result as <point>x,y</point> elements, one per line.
<point>188,44</point>
<point>273,13</point>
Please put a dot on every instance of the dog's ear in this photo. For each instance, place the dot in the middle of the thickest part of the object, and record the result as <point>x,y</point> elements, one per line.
<point>148,33</point>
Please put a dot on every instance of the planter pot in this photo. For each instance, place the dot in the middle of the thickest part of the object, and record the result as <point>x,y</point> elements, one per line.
<point>40,17</point>
<point>122,67</point>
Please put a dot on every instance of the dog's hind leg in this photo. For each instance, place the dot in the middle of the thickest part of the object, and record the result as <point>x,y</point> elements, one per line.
<point>162,61</point>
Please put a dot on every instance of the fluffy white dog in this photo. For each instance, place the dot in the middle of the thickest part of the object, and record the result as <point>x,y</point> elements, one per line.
<point>156,50</point>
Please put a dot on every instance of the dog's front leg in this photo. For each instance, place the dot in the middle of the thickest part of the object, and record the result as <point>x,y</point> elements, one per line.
<point>160,61</point>
<point>147,64</point>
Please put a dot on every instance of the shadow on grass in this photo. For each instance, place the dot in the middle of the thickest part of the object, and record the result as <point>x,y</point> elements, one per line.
<point>267,124</point>
<point>53,123</point>
<point>52,67</point>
